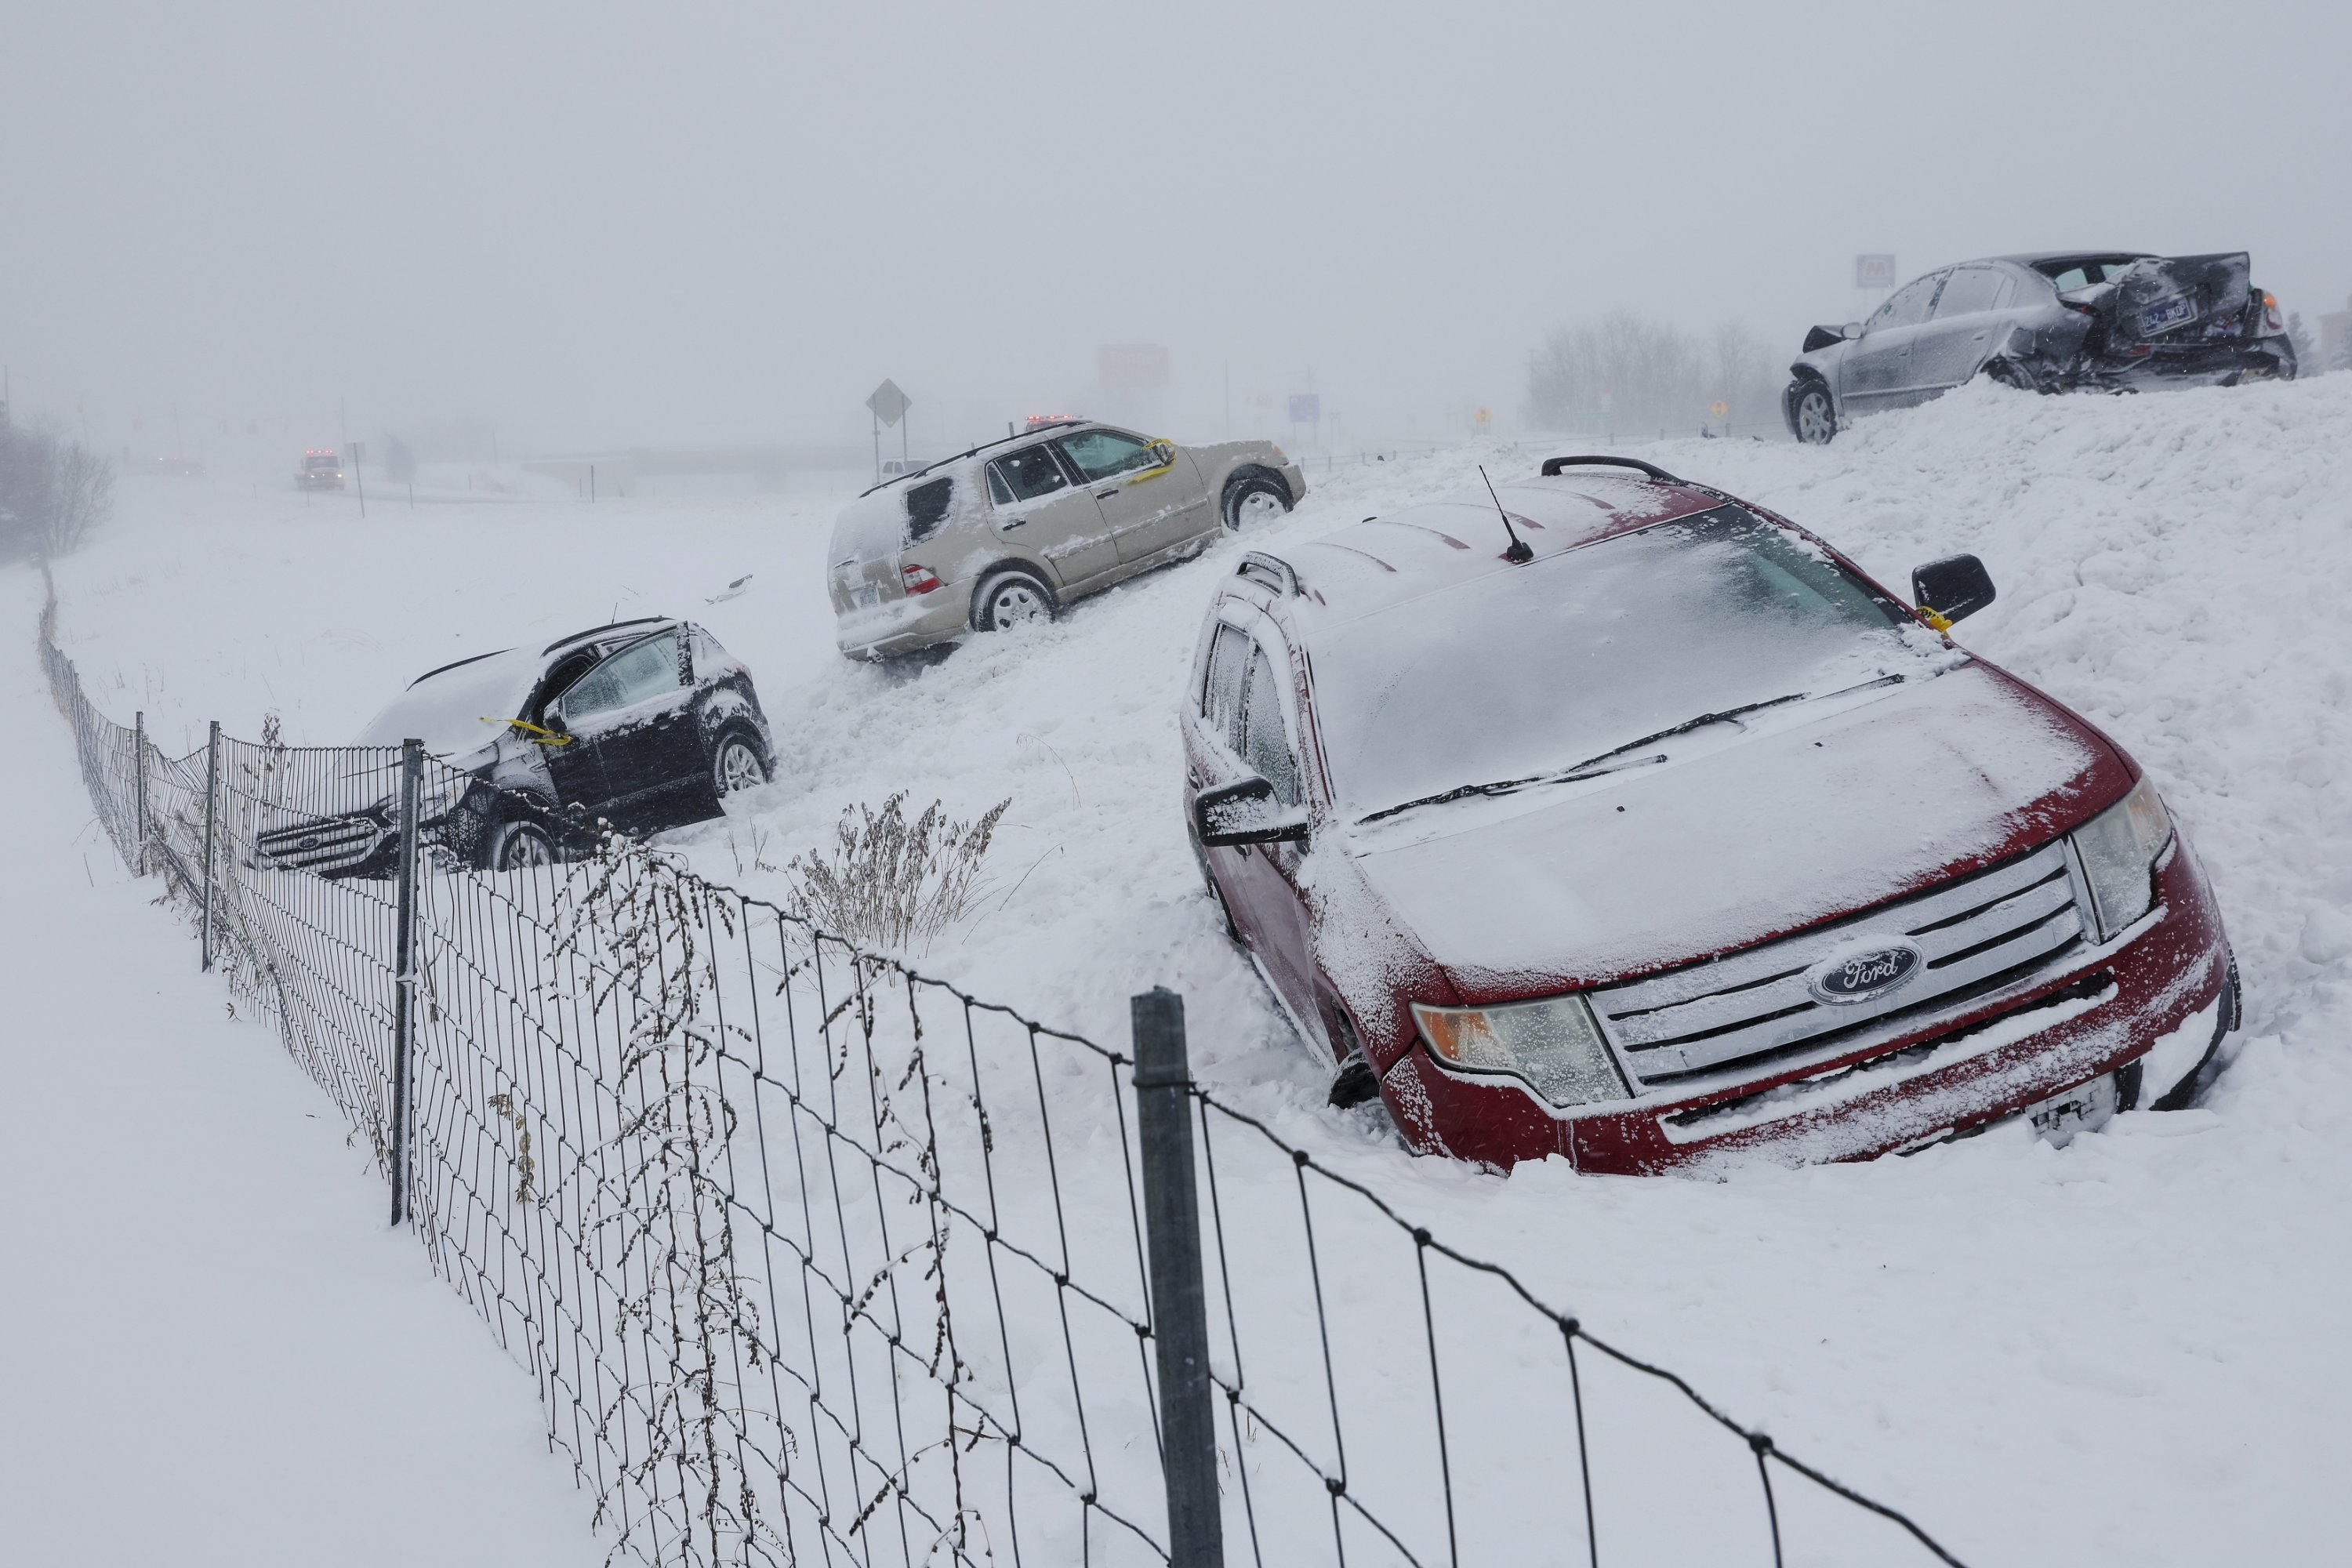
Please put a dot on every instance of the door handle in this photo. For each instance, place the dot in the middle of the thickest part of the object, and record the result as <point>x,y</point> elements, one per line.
<point>1106,495</point>
<point>1009,527</point>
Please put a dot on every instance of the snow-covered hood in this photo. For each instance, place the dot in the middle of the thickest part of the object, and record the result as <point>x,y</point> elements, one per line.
<point>1779,828</point>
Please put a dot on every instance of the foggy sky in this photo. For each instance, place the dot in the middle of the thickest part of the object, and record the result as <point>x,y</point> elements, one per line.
<point>597,224</point>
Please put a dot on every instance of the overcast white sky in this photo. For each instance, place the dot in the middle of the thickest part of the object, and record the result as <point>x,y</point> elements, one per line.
<point>604,224</point>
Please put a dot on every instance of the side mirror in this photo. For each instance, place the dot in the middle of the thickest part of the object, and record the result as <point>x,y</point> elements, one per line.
<point>1163,452</point>
<point>1951,589</point>
<point>1245,812</point>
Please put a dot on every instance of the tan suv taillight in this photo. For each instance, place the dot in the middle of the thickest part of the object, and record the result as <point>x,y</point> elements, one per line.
<point>919,579</point>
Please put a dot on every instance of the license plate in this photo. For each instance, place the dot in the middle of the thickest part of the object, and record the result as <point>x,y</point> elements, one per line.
<point>868,596</point>
<point>2166,314</point>
<point>2084,1109</point>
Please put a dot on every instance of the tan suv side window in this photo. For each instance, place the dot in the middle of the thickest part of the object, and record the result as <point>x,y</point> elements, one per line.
<point>1025,475</point>
<point>1107,454</point>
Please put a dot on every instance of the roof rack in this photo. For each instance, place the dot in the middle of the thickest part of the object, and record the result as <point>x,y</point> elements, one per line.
<point>1552,466</point>
<point>972,451</point>
<point>1272,571</point>
<point>591,631</point>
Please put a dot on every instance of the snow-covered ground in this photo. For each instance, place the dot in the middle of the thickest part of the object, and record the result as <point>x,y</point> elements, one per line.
<point>2126,1351</point>
<point>216,1351</point>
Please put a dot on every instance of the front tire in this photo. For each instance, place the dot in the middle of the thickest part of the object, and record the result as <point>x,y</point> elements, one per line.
<point>518,846</point>
<point>1813,417</point>
<point>1012,599</point>
<point>1254,499</point>
<point>737,766</point>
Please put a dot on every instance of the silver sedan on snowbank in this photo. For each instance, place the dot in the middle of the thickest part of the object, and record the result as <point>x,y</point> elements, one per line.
<point>1010,531</point>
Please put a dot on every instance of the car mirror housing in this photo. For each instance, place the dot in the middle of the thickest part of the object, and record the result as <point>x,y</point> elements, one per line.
<point>1951,589</point>
<point>1245,812</point>
<point>1164,452</point>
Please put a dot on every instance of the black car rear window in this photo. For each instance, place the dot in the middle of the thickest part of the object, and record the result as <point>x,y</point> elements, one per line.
<point>927,508</point>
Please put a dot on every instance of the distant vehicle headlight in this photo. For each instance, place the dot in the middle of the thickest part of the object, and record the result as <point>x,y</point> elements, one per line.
<point>2118,848</point>
<point>1552,1045</point>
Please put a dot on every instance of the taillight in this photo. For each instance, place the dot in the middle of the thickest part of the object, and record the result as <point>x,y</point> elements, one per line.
<point>2079,308</point>
<point>2272,321</point>
<point>919,579</point>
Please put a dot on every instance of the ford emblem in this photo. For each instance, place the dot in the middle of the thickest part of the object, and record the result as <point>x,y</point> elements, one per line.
<point>1864,973</point>
<point>308,841</point>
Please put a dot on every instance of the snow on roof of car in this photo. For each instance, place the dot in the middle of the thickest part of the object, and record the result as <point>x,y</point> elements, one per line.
<point>1398,556</point>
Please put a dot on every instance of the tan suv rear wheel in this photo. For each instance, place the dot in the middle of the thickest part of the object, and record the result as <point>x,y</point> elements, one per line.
<point>1009,599</point>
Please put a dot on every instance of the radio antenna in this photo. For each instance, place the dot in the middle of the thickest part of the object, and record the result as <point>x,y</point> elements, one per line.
<point>1518,555</point>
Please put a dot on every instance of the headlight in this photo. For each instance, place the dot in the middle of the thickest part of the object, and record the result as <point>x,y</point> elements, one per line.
<point>1553,1046</point>
<point>435,798</point>
<point>1280,455</point>
<point>2119,848</point>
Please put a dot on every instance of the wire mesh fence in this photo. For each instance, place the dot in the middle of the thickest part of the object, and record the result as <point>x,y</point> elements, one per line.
<point>816,1259</point>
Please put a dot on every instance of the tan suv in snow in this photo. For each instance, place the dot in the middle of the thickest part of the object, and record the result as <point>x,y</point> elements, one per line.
<point>1010,531</point>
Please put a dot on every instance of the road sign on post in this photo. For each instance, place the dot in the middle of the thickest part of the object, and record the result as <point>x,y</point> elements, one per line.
<point>1874,272</point>
<point>890,406</point>
<point>1306,407</point>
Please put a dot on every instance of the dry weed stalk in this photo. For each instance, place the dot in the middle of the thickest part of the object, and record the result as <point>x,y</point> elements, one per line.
<point>891,883</point>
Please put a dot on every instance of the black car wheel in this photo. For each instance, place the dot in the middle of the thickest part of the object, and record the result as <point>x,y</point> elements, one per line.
<point>1012,599</point>
<point>737,766</point>
<point>516,845</point>
<point>1253,499</point>
<point>1812,416</point>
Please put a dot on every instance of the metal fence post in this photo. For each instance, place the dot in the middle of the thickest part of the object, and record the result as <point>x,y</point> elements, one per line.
<point>212,796</point>
<point>403,969</point>
<point>139,762</point>
<point>1180,1315</point>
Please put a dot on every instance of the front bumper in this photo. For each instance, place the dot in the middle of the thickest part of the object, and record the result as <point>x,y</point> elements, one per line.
<point>2155,996</point>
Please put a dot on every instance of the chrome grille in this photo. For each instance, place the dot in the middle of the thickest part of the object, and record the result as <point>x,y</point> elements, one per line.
<point>325,846</point>
<point>1973,933</point>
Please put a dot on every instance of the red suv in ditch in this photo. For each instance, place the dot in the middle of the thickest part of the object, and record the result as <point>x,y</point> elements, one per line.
<point>1623,820</point>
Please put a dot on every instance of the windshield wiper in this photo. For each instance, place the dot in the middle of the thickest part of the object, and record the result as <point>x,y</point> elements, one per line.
<point>1594,766</point>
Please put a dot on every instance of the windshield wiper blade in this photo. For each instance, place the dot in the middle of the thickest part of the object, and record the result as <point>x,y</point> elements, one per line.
<point>1592,766</point>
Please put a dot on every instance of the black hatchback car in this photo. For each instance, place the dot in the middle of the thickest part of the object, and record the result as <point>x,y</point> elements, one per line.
<point>647,724</point>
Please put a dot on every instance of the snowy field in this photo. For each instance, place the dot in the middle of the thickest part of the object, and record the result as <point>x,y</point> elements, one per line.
<point>2126,1350</point>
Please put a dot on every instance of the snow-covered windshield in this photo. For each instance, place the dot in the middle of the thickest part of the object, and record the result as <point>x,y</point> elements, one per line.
<point>1516,674</point>
<point>445,709</point>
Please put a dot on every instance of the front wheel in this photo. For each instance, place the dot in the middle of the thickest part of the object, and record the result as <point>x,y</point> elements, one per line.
<point>737,766</point>
<point>516,845</point>
<point>1253,500</point>
<point>1012,599</point>
<point>1813,416</point>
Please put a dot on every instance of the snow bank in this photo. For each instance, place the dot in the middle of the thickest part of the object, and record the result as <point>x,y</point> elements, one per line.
<point>2007,1339</point>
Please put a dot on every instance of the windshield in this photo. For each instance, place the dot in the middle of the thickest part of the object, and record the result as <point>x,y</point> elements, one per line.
<point>1516,674</point>
<point>445,709</point>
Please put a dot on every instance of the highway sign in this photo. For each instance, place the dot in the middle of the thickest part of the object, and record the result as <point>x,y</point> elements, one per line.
<point>889,405</point>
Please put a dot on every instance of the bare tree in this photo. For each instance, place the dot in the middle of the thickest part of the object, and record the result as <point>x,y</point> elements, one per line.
<point>53,492</point>
<point>81,496</point>
<point>1622,372</point>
